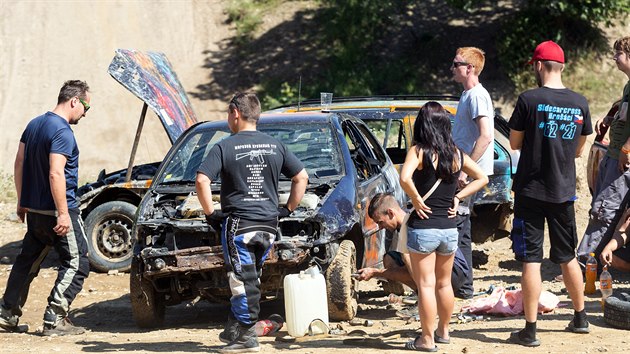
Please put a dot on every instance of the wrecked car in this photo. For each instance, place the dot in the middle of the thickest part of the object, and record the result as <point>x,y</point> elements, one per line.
<point>391,119</point>
<point>108,205</point>
<point>176,257</point>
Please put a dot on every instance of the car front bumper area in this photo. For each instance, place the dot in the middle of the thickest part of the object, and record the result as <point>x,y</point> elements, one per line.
<point>160,262</point>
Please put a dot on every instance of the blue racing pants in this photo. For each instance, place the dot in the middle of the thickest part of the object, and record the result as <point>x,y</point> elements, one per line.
<point>246,244</point>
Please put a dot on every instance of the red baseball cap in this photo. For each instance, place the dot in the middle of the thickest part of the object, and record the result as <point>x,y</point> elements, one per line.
<point>548,51</point>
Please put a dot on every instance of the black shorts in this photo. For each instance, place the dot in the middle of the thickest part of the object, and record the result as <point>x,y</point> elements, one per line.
<point>528,230</point>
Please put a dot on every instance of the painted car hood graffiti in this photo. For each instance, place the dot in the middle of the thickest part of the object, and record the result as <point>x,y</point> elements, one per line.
<point>152,79</point>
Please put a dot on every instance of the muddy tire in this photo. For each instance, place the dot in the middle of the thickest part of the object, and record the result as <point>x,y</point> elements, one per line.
<point>340,286</point>
<point>617,312</point>
<point>108,231</point>
<point>147,305</point>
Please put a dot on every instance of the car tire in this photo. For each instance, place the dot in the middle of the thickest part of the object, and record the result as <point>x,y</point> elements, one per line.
<point>147,305</point>
<point>617,312</point>
<point>108,231</point>
<point>340,286</point>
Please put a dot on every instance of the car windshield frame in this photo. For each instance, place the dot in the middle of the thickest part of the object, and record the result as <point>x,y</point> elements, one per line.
<point>315,144</point>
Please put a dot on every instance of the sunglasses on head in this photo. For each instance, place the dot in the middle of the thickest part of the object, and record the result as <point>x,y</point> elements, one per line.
<point>234,100</point>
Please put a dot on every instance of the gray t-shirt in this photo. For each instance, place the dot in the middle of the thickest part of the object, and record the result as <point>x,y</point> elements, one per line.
<point>474,103</point>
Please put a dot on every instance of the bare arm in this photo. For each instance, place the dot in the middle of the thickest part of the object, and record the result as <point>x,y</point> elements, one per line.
<point>298,187</point>
<point>484,139</point>
<point>413,161</point>
<point>18,168</point>
<point>57,180</point>
<point>479,179</point>
<point>580,147</point>
<point>617,241</point>
<point>516,139</point>
<point>204,193</point>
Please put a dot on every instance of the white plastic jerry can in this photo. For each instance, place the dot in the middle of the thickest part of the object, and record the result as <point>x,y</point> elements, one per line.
<point>305,301</point>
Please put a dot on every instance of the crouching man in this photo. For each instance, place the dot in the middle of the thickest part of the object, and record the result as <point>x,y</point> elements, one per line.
<point>387,214</point>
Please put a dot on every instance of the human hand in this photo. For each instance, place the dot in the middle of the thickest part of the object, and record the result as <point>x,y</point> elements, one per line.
<point>452,211</point>
<point>215,220</point>
<point>63,224</point>
<point>602,125</point>
<point>283,212</point>
<point>606,256</point>
<point>421,209</point>
<point>21,212</point>
<point>462,181</point>
<point>365,273</point>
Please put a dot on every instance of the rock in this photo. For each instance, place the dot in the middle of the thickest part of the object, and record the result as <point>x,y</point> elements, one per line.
<point>112,272</point>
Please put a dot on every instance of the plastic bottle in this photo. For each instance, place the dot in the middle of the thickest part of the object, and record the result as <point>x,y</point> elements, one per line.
<point>605,284</point>
<point>591,274</point>
<point>269,326</point>
<point>394,299</point>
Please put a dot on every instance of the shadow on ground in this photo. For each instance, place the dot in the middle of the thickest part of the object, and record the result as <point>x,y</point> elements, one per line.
<point>415,50</point>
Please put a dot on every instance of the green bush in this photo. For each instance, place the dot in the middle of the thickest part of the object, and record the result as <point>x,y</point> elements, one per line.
<point>572,24</point>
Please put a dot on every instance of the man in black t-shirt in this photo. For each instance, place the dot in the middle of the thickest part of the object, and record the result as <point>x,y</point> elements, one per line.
<point>249,164</point>
<point>549,125</point>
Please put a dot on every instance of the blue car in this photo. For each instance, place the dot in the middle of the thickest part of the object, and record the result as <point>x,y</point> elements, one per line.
<point>177,258</point>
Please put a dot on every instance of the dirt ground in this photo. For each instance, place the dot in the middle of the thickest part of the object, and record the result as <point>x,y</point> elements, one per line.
<point>103,307</point>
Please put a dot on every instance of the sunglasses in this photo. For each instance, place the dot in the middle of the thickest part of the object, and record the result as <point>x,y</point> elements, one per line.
<point>457,64</point>
<point>234,100</point>
<point>86,106</point>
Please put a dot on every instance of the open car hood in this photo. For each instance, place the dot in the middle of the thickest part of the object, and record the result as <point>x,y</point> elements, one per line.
<point>152,79</point>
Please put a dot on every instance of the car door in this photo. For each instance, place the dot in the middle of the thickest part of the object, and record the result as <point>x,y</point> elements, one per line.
<point>375,174</point>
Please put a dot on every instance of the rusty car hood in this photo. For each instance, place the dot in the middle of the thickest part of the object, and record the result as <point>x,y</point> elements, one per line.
<point>151,78</point>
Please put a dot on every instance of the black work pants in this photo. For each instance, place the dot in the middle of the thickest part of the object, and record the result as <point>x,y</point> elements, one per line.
<point>39,239</point>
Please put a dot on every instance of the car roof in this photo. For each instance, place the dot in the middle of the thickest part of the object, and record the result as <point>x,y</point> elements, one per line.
<point>390,103</point>
<point>151,78</point>
<point>290,117</point>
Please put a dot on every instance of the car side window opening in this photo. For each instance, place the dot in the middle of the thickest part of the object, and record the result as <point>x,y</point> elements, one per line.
<point>362,152</point>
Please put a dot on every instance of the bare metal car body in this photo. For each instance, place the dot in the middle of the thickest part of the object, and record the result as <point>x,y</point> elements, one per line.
<point>177,258</point>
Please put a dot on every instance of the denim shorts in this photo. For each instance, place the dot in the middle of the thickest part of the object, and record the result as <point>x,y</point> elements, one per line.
<point>425,241</point>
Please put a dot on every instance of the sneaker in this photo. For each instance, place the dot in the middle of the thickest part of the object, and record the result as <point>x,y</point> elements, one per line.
<point>582,329</point>
<point>62,328</point>
<point>230,333</point>
<point>247,341</point>
<point>519,337</point>
<point>10,322</point>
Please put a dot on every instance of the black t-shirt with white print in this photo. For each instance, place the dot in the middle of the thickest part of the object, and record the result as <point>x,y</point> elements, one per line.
<point>250,164</point>
<point>553,121</point>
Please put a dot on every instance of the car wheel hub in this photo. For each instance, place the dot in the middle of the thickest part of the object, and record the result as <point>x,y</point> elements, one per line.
<point>113,238</point>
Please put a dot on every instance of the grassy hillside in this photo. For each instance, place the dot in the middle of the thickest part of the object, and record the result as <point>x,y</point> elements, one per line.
<point>402,51</point>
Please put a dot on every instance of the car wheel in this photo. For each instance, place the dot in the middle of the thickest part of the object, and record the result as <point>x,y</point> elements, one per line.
<point>340,286</point>
<point>617,312</point>
<point>147,305</point>
<point>108,231</point>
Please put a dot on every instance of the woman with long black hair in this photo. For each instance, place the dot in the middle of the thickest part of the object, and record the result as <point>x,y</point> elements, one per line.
<point>429,177</point>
